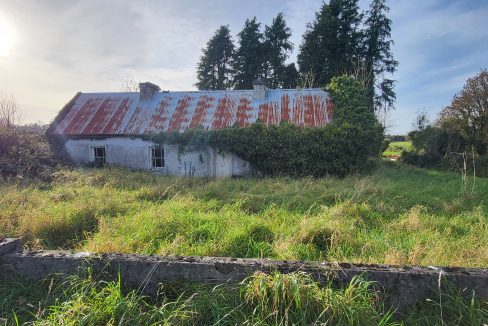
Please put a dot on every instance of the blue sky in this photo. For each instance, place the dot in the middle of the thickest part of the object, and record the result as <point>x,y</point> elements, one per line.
<point>49,50</point>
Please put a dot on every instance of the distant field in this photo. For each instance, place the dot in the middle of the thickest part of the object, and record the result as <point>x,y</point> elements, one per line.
<point>397,215</point>
<point>397,147</point>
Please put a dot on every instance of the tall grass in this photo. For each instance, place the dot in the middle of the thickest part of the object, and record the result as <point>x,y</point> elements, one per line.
<point>397,215</point>
<point>290,299</point>
<point>263,299</point>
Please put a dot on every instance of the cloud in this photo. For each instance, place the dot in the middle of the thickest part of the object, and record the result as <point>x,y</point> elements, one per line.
<point>438,44</point>
<point>67,46</point>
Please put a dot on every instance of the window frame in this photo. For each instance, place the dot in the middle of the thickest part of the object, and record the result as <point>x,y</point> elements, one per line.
<point>96,159</point>
<point>153,159</point>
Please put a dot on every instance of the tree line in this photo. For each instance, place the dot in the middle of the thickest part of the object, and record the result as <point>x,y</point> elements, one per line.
<point>342,39</point>
<point>460,130</point>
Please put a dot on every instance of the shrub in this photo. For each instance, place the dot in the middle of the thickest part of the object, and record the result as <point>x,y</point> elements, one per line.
<point>421,160</point>
<point>25,154</point>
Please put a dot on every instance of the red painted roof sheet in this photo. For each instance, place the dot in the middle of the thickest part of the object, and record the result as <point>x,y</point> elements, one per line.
<point>126,114</point>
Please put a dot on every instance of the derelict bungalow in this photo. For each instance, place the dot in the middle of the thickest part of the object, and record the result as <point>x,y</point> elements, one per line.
<point>108,127</point>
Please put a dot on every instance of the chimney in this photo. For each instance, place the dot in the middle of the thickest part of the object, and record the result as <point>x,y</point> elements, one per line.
<point>259,92</point>
<point>147,90</point>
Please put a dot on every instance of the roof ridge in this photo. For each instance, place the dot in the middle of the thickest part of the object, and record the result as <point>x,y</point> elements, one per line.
<point>219,91</point>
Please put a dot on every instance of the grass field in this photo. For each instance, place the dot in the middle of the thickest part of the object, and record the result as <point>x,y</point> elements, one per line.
<point>396,215</point>
<point>396,148</point>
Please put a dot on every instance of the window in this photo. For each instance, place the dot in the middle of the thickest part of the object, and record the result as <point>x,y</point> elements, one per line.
<point>99,156</point>
<point>157,157</point>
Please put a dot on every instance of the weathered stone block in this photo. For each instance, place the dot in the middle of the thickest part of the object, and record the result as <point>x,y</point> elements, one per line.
<point>8,245</point>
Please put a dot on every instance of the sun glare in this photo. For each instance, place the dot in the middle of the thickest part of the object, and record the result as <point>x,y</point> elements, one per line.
<point>7,37</point>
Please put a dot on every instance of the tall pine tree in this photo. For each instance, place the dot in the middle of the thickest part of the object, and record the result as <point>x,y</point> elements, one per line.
<point>332,42</point>
<point>214,70</point>
<point>248,59</point>
<point>277,48</point>
<point>379,59</point>
<point>290,76</point>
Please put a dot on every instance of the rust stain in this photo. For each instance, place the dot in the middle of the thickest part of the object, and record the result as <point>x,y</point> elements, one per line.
<point>160,116</point>
<point>285,108</point>
<point>110,113</point>
<point>268,113</point>
<point>223,115</point>
<point>134,121</point>
<point>320,111</point>
<point>99,119</point>
<point>243,112</point>
<point>80,119</point>
<point>116,119</point>
<point>179,115</point>
<point>309,112</point>
<point>298,111</point>
<point>201,111</point>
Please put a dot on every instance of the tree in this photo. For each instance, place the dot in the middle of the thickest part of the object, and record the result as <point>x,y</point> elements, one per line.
<point>421,121</point>
<point>130,85</point>
<point>468,112</point>
<point>277,47</point>
<point>378,56</point>
<point>215,66</point>
<point>352,110</point>
<point>248,59</point>
<point>332,42</point>
<point>9,111</point>
<point>290,76</point>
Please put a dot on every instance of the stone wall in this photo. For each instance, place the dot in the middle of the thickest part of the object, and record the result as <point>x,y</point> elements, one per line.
<point>402,286</point>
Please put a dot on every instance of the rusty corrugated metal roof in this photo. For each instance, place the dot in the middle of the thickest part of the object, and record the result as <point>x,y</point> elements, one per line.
<point>126,114</point>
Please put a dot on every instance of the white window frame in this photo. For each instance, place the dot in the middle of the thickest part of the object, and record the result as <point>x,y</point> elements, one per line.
<point>152,159</point>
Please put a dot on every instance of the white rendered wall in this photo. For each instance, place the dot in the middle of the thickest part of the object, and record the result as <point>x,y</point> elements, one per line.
<point>135,153</point>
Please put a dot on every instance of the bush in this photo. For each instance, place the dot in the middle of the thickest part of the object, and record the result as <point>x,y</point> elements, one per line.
<point>421,160</point>
<point>25,154</point>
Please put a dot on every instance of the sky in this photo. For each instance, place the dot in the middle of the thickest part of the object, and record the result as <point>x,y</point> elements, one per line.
<point>51,49</point>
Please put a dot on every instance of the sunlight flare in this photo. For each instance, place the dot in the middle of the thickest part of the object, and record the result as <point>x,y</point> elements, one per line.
<point>7,37</point>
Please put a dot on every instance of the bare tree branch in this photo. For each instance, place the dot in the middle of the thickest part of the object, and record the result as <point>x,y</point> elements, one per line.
<point>10,113</point>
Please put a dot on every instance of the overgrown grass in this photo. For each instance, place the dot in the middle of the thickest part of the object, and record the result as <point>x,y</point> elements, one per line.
<point>263,299</point>
<point>397,215</point>
<point>396,148</point>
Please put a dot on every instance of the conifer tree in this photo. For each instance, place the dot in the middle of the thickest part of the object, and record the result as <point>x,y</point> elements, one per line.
<point>215,66</point>
<point>379,59</point>
<point>248,59</point>
<point>277,47</point>
<point>332,42</point>
<point>290,76</point>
